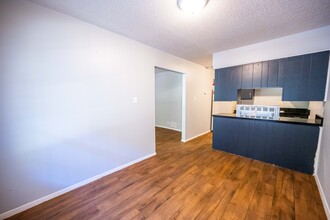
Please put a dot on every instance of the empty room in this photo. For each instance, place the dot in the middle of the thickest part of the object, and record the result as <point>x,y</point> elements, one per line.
<point>176,109</point>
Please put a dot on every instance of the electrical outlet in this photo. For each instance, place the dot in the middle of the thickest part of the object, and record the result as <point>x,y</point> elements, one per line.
<point>173,124</point>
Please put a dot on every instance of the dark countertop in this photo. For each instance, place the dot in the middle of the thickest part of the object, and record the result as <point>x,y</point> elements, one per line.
<point>312,122</point>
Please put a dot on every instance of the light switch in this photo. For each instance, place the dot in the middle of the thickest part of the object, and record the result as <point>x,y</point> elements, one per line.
<point>135,100</point>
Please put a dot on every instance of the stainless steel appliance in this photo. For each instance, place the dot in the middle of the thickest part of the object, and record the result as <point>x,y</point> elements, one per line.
<point>245,96</point>
<point>294,112</point>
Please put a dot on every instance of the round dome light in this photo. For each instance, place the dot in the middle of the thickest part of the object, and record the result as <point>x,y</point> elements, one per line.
<point>192,6</point>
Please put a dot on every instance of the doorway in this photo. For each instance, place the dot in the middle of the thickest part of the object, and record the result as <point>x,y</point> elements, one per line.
<point>170,100</point>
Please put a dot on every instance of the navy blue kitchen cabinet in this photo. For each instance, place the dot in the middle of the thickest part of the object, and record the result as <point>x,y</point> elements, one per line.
<point>221,85</point>
<point>218,84</point>
<point>287,145</point>
<point>281,72</point>
<point>227,139</point>
<point>227,81</point>
<point>234,81</point>
<point>259,139</point>
<point>318,76</point>
<point>244,138</point>
<point>264,74</point>
<point>306,146</point>
<point>294,146</point>
<point>247,76</point>
<point>303,144</point>
<point>279,145</point>
<point>256,78</point>
<point>269,74</point>
<point>273,70</point>
<point>292,79</point>
<point>303,78</point>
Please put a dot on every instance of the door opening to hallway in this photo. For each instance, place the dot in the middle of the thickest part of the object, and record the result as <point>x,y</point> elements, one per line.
<point>169,100</point>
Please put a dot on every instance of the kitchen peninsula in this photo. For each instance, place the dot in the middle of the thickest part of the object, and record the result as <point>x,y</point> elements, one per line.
<point>286,142</point>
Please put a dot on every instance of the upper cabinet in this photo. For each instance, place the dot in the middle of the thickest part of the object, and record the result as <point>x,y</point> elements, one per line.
<point>303,78</point>
<point>256,79</point>
<point>272,74</point>
<point>219,83</point>
<point>247,76</point>
<point>292,79</point>
<point>227,81</point>
<point>318,75</point>
<point>264,74</point>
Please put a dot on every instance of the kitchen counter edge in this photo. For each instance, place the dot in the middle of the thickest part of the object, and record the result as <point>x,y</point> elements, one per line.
<point>310,122</point>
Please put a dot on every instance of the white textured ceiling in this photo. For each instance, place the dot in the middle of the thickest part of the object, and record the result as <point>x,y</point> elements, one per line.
<point>222,25</point>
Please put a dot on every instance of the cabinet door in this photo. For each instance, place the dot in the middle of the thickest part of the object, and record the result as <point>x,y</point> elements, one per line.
<point>258,140</point>
<point>305,78</point>
<point>309,140</point>
<point>244,132</point>
<point>303,146</point>
<point>273,69</point>
<point>294,146</point>
<point>318,76</point>
<point>269,130</point>
<point>217,137</point>
<point>264,74</point>
<point>247,76</point>
<point>216,85</point>
<point>225,134</point>
<point>292,79</point>
<point>256,78</point>
<point>278,145</point>
<point>220,85</point>
<point>291,152</point>
<point>233,82</point>
<point>226,92</point>
<point>281,72</point>
<point>227,81</point>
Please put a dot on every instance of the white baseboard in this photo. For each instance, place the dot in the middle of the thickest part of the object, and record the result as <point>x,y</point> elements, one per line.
<point>324,200</point>
<point>174,129</point>
<point>189,139</point>
<point>70,188</point>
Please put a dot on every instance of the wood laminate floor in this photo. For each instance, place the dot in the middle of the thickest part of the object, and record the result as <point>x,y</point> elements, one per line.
<point>190,181</point>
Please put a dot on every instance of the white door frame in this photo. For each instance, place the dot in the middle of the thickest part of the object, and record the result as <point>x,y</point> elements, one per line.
<point>183,101</point>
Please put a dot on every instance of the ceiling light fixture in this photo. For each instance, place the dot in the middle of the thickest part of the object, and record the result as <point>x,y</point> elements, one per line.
<point>192,6</point>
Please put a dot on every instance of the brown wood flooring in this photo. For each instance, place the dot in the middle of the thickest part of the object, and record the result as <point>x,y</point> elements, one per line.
<point>190,181</point>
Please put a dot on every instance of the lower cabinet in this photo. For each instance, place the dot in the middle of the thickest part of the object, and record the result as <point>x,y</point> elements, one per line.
<point>287,145</point>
